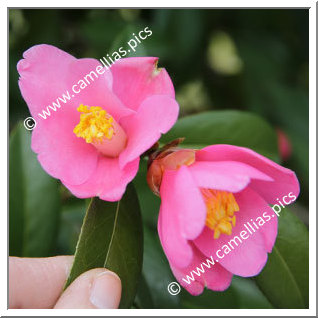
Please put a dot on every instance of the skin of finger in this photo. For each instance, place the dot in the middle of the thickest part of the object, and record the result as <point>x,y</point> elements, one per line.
<point>78,294</point>
<point>37,282</point>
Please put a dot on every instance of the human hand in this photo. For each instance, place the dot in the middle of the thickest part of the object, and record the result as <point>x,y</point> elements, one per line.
<point>38,283</point>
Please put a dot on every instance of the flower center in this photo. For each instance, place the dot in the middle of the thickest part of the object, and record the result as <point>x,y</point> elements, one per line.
<point>95,124</point>
<point>221,206</point>
<point>99,128</point>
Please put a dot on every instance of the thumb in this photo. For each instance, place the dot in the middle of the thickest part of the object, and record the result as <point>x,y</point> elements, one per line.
<point>96,288</point>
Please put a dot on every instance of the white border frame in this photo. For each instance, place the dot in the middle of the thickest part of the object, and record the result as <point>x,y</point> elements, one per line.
<point>312,162</point>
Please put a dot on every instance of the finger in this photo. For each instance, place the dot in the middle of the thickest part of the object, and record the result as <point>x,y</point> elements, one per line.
<point>96,288</point>
<point>37,282</point>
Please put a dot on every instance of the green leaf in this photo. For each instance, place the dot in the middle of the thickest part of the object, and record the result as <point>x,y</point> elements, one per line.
<point>34,201</point>
<point>122,39</point>
<point>157,272</point>
<point>149,202</point>
<point>285,278</point>
<point>210,299</point>
<point>143,298</point>
<point>112,237</point>
<point>243,293</point>
<point>226,127</point>
<point>248,293</point>
<point>71,221</point>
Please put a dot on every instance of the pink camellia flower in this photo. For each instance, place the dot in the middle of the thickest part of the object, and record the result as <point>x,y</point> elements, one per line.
<point>206,198</point>
<point>93,142</point>
<point>284,145</point>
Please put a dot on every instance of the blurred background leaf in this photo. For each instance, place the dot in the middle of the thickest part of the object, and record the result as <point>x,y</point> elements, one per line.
<point>243,293</point>
<point>226,127</point>
<point>72,216</point>
<point>149,203</point>
<point>34,201</point>
<point>157,272</point>
<point>143,298</point>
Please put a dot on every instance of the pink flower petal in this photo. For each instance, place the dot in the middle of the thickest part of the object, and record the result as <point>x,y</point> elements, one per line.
<point>108,181</point>
<point>156,116</point>
<point>188,203</point>
<point>45,74</point>
<point>214,277</point>
<point>224,175</point>
<point>248,256</point>
<point>195,288</point>
<point>173,231</point>
<point>176,247</point>
<point>99,91</point>
<point>285,180</point>
<point>269,228</point>
<point>137,78</point>
<point>63,155</point>
<point>42,67</point>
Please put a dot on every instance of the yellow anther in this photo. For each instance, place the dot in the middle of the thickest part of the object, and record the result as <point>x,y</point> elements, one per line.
<point>221,206</point>
<point>95,124</point>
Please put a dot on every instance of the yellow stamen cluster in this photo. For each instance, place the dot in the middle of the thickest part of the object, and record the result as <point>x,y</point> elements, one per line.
<point>95,124</point>
<point>221,206</point>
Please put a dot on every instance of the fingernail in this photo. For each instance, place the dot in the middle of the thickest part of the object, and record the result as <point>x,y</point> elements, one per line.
<point>106,290</point>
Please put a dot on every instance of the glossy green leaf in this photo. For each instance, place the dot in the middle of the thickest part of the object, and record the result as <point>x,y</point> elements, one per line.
<point>122,39</point>
<point>242,293</point>
<point>285,278</point>
<point>210,300</point>
<point>112,237</point>
<point>149,202</point>
<point>34,200</point>
<point>226,127</point>
<point>72,216</point>
<point>157,272</point>
<point>248,294</point>
<point>143,298</point>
